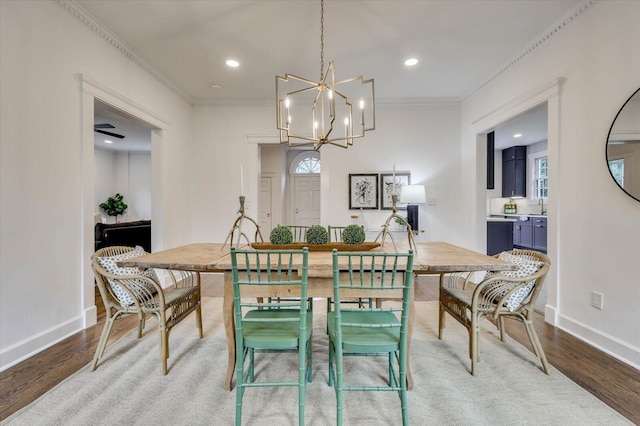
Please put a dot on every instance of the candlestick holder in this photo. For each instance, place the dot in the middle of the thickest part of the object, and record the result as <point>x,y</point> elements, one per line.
<point>403,221</point>
<point>237,227</point>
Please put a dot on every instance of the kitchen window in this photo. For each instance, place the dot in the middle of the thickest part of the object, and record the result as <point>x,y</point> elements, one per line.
<point>540,181</point>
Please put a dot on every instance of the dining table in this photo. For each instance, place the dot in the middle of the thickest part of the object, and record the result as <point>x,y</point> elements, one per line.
<point>435,257</point>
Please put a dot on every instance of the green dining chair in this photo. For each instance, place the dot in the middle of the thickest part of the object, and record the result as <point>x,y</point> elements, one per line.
<point>274,325</point>
<point>369,332</point>
<point>335,236</point>
<point>299,233</point>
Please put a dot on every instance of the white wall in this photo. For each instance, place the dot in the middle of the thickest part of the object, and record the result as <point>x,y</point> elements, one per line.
<point>272,165</point>
<point>45,294</point>
<point>127,173</point>
<point>595,227</point>
<point>422,139</point>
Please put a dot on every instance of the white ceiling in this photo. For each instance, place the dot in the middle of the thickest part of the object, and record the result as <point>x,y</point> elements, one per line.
<point>531,125</point>
<point>137,134</point>
<point>461,44</point>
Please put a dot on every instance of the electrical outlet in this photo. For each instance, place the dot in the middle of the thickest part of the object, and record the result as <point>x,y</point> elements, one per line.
<point>597,300</point>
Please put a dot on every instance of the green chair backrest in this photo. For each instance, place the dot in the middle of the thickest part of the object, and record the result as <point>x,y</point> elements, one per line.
<point>299,233</point>
<point>335,233</point>
<point>378,275</point>
<point>269,268</point>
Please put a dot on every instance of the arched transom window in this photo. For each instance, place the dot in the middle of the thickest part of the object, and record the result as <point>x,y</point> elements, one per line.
<point>308,165</point>
<point>306,162</point>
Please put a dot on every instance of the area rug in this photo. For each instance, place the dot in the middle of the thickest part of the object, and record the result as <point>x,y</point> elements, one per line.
<point>128,387</point>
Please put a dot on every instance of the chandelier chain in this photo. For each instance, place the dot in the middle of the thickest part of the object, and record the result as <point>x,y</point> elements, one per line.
<point>321,38</point>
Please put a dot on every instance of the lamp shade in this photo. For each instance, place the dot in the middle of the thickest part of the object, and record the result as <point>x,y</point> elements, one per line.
<point>413,194</point>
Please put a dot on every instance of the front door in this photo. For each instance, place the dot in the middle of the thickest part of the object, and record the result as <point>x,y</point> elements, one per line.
<point>306,202</point>
<point>264,206</point>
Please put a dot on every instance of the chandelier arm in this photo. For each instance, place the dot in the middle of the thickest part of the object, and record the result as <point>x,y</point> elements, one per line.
<point>304,80</point>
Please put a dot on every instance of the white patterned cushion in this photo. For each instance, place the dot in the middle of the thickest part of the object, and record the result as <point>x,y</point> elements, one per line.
<point>525,267</point>
<point>110,264</point>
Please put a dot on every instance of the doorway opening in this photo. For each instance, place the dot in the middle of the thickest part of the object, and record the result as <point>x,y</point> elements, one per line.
<point>305,168</point>
<point>92,92</point>
<point>549,95</point>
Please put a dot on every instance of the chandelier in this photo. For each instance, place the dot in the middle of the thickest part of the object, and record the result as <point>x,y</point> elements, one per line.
<point>325,112</point>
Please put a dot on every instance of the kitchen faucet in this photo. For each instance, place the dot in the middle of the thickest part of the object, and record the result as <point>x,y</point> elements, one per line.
<point>542,210</point>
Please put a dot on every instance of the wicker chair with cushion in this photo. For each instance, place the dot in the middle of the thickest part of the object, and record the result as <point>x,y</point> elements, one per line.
<point>130,291</point>
<point>501,294</point>
<point>366,332</point>
<point>278,325</point>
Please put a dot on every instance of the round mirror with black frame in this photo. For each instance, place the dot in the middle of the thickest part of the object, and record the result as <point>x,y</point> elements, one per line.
<point>623,147</point>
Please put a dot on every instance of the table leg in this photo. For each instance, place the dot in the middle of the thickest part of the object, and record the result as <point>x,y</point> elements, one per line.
<point>229,328</point>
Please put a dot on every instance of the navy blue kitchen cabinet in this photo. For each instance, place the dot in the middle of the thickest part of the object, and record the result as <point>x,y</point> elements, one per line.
<point>499,237</point>
<point>514,172</point>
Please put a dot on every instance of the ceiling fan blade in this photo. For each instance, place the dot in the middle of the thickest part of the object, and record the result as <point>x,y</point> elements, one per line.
<point>115,135</point>
<point>103,126</point>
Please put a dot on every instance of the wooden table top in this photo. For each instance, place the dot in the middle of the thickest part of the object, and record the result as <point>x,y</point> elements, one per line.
<point>431,258</point>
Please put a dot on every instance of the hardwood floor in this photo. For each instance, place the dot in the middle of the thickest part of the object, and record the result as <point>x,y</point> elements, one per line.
<point>610,380</point>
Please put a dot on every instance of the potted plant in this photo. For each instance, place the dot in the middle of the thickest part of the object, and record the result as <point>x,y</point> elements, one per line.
<point>317,234</point>
<point>281,235</point>
<point>114,206</point>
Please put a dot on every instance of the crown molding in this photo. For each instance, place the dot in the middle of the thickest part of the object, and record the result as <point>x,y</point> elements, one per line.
<point>521,103</point>
<point>537,42</point>
<point>119,101</point>
<point>85,17</point>
<point>109,36</point>
<point>379,101</point>
<point>263,139</point>
<point>418,101</point>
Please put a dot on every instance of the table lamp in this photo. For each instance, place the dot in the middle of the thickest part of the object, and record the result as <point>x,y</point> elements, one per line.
<point>413,195</point>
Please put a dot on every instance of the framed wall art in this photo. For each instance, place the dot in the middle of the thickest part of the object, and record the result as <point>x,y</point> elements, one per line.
<point>363,191</point>
<point>386,189</point>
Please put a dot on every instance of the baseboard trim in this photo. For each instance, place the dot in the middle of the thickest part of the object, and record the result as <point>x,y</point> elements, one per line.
<point>90,316</point>
<point>608,344</point>
<point>26,348</point>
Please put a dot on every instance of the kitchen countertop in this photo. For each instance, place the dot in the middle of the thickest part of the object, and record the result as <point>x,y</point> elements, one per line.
<point>515,216</point>
<point>501,219</point>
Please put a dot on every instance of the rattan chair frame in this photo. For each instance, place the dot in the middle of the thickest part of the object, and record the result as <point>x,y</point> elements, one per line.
<point>467,304</point>
<point>170,305</point>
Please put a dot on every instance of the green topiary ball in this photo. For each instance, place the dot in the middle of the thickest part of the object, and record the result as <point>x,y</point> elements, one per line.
<point>281,235</point>
<point>353,234</point>
<point>317,234</point>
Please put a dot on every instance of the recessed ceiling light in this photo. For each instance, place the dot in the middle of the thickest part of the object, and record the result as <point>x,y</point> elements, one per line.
<point>107,141</point>
<point>233,63</point>
<point>411,62</point>
<point>517,135</point>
